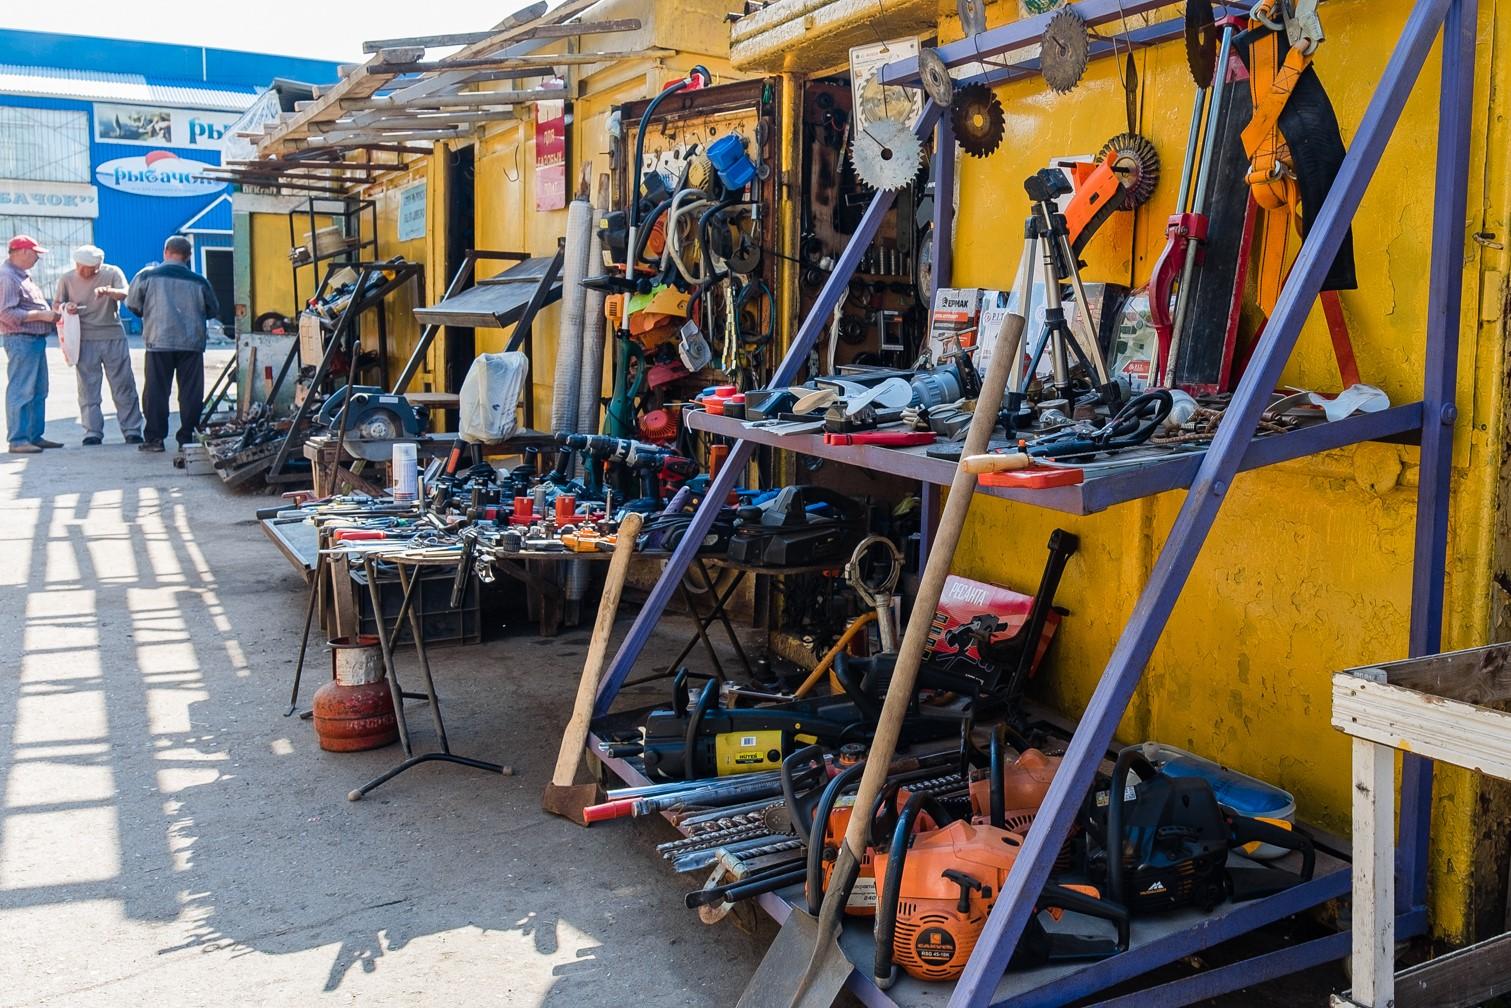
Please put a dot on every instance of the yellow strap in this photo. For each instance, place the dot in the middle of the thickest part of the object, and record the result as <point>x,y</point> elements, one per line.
<point>1272,177</point>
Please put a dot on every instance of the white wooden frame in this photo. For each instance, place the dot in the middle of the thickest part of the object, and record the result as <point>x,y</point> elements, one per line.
<point>1427,706</point>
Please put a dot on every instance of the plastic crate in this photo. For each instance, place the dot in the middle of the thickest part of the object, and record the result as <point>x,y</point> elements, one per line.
<point>440,623</point>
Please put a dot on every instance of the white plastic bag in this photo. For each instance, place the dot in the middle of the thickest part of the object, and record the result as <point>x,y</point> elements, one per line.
<point>491,395</point>
<point>69,335</point>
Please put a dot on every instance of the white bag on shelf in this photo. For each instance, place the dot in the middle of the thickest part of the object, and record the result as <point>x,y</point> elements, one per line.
<point>490,397</point>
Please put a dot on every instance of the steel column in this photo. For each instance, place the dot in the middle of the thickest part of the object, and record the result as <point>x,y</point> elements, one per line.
<point>941,275</point>
<point>1142,632</point>
<point>1440,410</point>
<point>733,468</point>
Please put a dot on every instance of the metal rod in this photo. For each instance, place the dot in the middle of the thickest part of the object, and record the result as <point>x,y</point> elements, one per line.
<point>1440,411</point>
<point>1136,644</point>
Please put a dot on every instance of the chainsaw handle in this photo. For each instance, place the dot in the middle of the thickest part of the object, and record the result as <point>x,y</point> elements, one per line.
<point>1064,898</point>
<point>1249,830</point>
<point>1114,840</point>
<point>883,970</point>
<point>813,889</point>
<point>808,756</point>
<point>998,777</point>
<point>706,701</point>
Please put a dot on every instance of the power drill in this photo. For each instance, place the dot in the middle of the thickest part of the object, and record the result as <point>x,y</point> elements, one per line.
<point>660,471</point>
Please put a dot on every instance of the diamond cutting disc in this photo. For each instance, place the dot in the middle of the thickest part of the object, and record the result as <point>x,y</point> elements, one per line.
<point>886,154</point>
<point>935,76</point>
<point>1137,165</point>
<point>1064,51</point>
<point>1201,42</point>
<point>978,120</point>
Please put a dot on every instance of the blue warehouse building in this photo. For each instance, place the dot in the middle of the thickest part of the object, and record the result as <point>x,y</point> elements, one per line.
<point>101,141</point>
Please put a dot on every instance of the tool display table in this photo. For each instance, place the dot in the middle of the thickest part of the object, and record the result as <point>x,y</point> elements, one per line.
<point>407,567</point>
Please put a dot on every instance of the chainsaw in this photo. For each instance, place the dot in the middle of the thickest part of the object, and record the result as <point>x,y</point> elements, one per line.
<point>939,888</point>
<point>1175,839</point>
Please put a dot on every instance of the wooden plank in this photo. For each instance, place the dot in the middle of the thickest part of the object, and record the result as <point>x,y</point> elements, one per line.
<point>373,133</point>
<point>1461,979</point>
<point>361,83</point>
<point>439,119</point>
<point>523,62</point>
<point>1374,868</point>
<point>466,99</point>
<point>542,32</point>
<point>1448,730</point>
<point>1479,675</point>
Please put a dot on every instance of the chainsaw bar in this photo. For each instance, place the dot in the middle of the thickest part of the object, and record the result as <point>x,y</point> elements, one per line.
<point>978,120</point>
<point>937,83</point>
<point>1065,50</point>
<point>1201,42</point>
<point>1137,165</point>
<point>886,154</point>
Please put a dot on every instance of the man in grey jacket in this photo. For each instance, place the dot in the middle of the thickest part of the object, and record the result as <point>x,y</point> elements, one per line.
<point>174,303</point>
<point>92,290</point>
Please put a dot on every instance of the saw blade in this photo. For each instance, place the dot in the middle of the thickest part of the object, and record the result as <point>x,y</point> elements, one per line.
<point>1137,165</point>
<point>935,76</point>
<point>1201,42</point>
<point>1065,50</point>
<point>972,16</point>
<point>886,154</point>
<point>978,120</point>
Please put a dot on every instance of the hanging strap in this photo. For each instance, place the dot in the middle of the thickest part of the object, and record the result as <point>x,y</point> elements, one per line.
<point>1272,174</point>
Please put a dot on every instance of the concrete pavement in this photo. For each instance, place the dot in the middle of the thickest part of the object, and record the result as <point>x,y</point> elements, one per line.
<point>168,838</point>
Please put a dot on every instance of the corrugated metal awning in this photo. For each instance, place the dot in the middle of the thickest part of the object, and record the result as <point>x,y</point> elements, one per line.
<point>131,88</point>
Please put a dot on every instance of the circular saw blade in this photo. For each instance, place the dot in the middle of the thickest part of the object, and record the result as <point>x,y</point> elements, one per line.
<point>886,154</point>
<point>972,16</point>
<point>1137,165</point>
<point>935,76</point>
<point>1201,42</point>
<point>978,120</point>
<point>1065,50</point>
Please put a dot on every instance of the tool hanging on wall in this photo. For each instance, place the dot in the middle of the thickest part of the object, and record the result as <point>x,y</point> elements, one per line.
<point>935,77</point>
<point>1186,231</point>
<point>1065,51</point>
<point>886,154</point>
<point>1293,141</point>
<point>972,16</point>
<point>978,120</point>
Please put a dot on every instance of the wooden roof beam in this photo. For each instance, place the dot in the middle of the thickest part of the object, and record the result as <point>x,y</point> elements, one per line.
<point>541,32</point>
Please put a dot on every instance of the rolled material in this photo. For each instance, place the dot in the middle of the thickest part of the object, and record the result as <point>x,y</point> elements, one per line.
<point>594,327</point>
<point>569,334</point>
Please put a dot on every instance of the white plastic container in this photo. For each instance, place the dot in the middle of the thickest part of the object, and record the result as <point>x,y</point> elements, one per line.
<point>406,473</point>
<point>1248,796</point>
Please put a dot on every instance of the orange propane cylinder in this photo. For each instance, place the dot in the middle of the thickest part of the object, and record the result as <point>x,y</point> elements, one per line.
<point>354,711</point>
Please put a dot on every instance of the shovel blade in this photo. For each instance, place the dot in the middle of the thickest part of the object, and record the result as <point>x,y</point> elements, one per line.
<point>568,801</point>
<point>802,969</point>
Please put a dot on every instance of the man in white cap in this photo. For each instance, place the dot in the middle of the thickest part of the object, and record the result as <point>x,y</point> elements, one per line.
<point>93,290</point>
<point>25,321</point>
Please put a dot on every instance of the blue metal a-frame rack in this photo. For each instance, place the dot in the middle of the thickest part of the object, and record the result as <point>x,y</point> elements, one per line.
<point>1207,477</point>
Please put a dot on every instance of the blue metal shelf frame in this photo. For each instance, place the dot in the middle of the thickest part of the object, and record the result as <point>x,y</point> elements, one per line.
<point>1232,447</point>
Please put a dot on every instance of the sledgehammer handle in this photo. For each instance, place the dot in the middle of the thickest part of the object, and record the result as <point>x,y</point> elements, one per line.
<point>575,739</point>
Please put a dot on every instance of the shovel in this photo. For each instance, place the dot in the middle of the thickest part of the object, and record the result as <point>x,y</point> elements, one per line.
<point>563,796</point>
<point>805,966</point>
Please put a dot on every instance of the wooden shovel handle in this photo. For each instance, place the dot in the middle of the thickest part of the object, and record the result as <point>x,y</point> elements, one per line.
<point>575,738</point>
